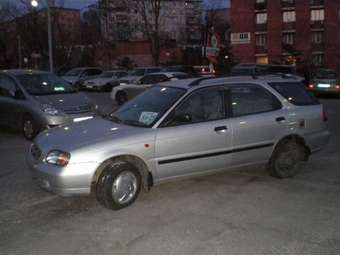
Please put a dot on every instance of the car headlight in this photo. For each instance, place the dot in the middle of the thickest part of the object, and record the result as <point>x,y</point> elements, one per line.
<point>50,110</point>
<point>58,158</point>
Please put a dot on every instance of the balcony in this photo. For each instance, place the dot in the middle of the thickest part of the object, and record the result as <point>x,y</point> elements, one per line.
<point>316,24</point>
<point>317,3</point>
<point>261,6</point>
<point>261,27</point>
<point>287,3</point>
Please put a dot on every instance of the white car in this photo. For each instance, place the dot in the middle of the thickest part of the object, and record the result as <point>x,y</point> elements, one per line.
<point>105,81</point>
<point>128,89</point>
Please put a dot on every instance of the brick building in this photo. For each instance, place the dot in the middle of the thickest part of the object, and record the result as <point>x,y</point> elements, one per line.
<point>301,32</point>
<point>25,38</point>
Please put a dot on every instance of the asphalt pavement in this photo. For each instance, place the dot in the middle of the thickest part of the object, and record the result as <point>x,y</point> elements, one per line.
<point>241,212</point>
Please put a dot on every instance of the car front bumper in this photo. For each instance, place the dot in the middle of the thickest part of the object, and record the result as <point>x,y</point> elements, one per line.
<point>73,180</point>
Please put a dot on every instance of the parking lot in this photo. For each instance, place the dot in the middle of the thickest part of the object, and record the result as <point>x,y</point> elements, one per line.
<point>239,212</point>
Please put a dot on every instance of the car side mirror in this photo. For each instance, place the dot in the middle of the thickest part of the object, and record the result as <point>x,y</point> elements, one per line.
<point>182,119</point>
<point>18,95</point>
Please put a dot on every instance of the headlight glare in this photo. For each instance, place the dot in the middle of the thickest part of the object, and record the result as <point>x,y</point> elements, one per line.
<point>58,158</point>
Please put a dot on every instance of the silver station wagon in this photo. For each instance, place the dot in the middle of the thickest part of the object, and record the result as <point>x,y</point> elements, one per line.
<point>191,127</point>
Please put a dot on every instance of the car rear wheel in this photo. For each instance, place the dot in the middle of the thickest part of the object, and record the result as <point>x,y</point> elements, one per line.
<point>29,127</point>
<point>287,160</point>
<point>121,97</point>
<point>118,186</point>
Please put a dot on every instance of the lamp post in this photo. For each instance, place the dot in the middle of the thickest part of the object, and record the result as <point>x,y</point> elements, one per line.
<point>35,4</point>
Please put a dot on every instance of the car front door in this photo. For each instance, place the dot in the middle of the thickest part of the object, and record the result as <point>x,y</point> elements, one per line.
<point>258,121</point>
<point>195,137</point>
<point>10,108</point>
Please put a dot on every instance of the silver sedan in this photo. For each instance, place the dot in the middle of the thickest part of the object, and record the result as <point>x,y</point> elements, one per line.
<point>190,128</point>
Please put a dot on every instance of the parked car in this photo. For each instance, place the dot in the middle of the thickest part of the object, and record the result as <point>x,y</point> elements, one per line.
<point>77,76</point>
<point>181,129</point>
<point>126,91</point>
<point>248,70</point>
<point>261,70</point>
<point>325,81</point>
<point>204,71</point>
<point>181,68</point>
<point>104,82</point>
<point>35,100</point>
<point>141,71</point>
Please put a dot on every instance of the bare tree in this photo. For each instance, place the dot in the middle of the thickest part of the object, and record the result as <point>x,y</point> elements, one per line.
<point>150,12</point>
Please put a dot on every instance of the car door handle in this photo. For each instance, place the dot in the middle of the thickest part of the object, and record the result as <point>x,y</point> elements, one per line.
<point>280,119</point>
<point>221,129</point>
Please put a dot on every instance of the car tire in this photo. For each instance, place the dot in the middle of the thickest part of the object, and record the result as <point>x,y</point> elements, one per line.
<point>121,97</point>
<point>287,159</point>
<point>30,127</point>
<point>118,186</point>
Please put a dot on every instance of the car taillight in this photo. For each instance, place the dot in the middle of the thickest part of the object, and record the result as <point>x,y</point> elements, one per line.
<point>324,115</point>
<point>337,86</point>
<point>311,86</point>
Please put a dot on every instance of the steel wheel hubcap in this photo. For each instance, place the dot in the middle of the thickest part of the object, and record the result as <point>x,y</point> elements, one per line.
<point>124,187</point>
<point>28,128</point>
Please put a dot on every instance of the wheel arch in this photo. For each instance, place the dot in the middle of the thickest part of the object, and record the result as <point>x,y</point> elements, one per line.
<point>293,138</point>
<point>147,177</point>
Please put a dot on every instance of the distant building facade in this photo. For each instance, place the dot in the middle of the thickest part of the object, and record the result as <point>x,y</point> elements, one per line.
<point>26,43</point>
<point>180,21</point>
<point>298,32</point>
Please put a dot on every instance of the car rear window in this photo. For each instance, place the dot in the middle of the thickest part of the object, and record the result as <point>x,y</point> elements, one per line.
<point>296,93</point>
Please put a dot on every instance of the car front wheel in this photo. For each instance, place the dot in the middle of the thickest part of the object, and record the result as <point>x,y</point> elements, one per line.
<point>29,127</point>
<point>118,186</point>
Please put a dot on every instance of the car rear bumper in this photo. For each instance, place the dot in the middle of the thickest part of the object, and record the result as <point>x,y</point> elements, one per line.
<point>72,180</point>
<point>317,141</point>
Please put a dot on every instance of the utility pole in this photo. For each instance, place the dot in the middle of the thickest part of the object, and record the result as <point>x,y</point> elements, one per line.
<point>50,46</point>
<point>19,52</point>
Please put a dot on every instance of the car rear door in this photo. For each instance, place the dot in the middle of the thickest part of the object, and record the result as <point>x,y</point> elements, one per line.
<point>199,144</point>
<point>258,121</point>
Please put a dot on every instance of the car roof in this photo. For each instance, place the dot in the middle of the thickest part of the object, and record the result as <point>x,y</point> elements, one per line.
<point>16,72</point>
<point>194,83</point>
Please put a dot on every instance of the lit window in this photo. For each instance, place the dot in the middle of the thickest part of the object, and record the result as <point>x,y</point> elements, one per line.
<point>318,59</point>
<point>261,18</point>
<point>317,15</point>
<point>261,40</point>
<point>289,16</point>
<point>288,38</point>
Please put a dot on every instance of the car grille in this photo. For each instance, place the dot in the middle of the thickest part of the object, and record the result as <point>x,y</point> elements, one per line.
<point>36,152</point>
<point>77,109</point>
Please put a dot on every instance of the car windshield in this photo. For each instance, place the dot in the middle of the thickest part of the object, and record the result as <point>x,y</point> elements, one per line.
<point>74,72</point>
<point>146,109</point>
<point>106,74</point>
<point>44,84</point>
<point>138,72</point>
<point>326,74</point>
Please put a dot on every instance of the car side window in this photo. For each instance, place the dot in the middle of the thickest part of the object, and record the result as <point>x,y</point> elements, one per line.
<point>246,100</point>
<point>201,106</point>
<point>7,86</point>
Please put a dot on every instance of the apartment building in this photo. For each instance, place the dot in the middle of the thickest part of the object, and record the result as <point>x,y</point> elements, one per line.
<point>305,33</point>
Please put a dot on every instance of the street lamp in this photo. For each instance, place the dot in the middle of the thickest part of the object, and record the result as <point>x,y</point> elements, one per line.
<point>35,4</point>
